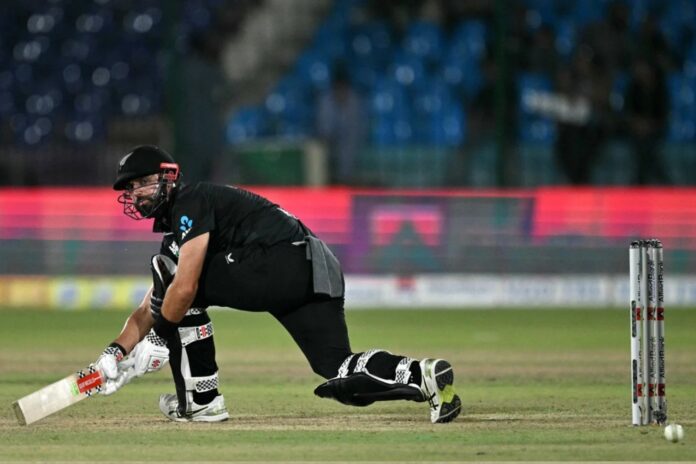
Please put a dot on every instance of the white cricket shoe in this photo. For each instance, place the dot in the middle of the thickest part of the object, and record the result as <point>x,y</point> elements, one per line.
<point>437,385</point>
<point>215,411</point>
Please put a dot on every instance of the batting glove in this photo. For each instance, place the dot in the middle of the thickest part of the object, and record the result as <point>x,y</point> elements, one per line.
<point>150,355</point>
<point>109,359</point>
<point>125,375</point>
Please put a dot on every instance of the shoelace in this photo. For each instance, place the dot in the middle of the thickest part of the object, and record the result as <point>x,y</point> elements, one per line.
<point>433,404</point>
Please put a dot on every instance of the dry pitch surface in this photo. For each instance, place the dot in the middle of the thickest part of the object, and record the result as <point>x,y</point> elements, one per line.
<point>536,385</point>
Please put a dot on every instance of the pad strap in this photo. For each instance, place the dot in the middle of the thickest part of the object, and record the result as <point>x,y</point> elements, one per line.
<point>403,370</point>
<point>202,384</point>
<point>343,370</point>
<point>189,335</point>
<point>364,358</point>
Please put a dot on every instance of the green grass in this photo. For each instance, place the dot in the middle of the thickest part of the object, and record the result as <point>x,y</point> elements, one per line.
<point>536,385</point>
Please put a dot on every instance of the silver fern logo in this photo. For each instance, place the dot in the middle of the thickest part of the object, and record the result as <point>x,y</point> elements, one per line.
<point>185,226</point>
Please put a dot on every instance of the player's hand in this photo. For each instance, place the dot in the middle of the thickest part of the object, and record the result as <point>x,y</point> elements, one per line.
<point>150,355</point>
<point>125,375</point>
<point>109,359</point>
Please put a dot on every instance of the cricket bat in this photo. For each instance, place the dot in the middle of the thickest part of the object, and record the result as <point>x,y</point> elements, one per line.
<point>59,395</point>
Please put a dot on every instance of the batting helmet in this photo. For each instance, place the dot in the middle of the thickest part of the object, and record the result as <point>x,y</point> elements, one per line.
<point>143,161</point>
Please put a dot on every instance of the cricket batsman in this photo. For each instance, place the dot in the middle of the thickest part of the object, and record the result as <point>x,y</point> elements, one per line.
<point>225,246</point>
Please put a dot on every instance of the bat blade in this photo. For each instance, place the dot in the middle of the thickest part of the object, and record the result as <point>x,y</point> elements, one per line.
<point>57,396</point>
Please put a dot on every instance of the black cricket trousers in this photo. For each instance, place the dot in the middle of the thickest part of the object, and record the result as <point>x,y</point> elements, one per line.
<point>278,279</point>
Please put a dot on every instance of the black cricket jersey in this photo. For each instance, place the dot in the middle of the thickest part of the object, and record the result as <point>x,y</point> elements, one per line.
<point>234,217</point>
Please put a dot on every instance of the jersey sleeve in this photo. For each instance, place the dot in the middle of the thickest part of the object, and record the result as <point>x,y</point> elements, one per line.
<point>193,215</point>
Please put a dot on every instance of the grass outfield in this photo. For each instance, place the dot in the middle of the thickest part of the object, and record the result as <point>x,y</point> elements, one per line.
<point>536,385</point>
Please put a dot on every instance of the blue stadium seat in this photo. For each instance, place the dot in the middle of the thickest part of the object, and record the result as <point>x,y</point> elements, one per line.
<point>403,130</point>
<point>330,39</point>
<point>92,101</point>
<point>73,76</point>
<point>566,37</point>
<point>469,40</point>
<point>439,118</point>
<point>388,98</point>
<point>391,131</point>
<point>363,76</point>
<point>463,74</point>
<point>246,124</point>
<point>681,129</point>
<point>447,127</point>
<point>96,21</point>
<point>31,130</point>
<point>293,85</point>
<point>537,130</point>
<point>424,40</point>
<point>682,119</point>
<point>381,131</point>
<point>289,108</point>
<point>85,129</point>
<point>314,68</point>
<point>408,70</point>
<point>677,22</point>
<point>79,48</point>
<point>147,23</point>
<point>588,11</point>
<point>639,10</point>
<point>98,57</point>
<point>140,100</point>
<point>43,103</point>
<point>432,97</point>
<point>371,42</point>
<point>121,83</point>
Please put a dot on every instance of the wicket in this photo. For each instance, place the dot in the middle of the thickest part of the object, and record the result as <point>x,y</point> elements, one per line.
<point>646,261</point>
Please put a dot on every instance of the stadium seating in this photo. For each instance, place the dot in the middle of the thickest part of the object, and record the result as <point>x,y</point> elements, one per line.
<point>68,68</point>
<point>682,122</point>
<point>470,39</point>
<point>418,84</point>
<point>247,124</point>
<point>424,40</point>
